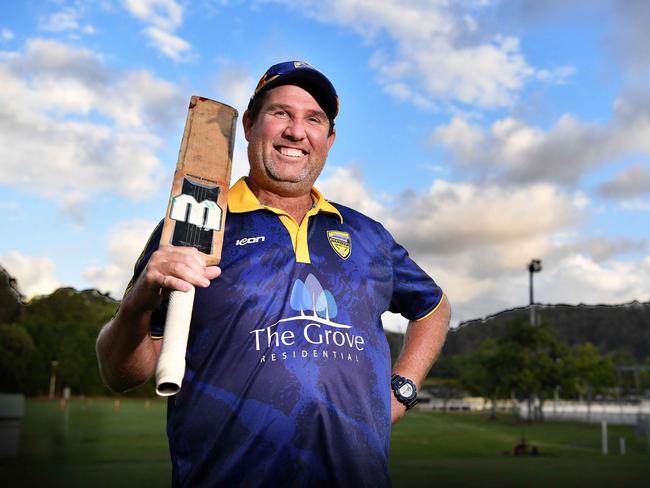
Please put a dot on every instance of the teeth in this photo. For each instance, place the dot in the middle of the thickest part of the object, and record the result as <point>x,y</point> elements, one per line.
<point>291,152</point>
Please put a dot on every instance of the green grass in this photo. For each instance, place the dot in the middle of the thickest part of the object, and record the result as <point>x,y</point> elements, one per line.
<point>92,444</point>
<point>460,449</point>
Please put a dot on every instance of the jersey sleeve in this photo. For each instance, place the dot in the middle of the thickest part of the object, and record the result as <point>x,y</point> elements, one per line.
<point>415,294</point>
<point>158,315</point>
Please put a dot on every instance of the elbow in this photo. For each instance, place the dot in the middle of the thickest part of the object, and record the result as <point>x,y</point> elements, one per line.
<point>107,371</point>
<point>117,373</point>
<point>446,310</point>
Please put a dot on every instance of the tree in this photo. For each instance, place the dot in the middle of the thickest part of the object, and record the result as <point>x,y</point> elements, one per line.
<point>591,373</point>
<point>64,327</point>
<point>16,353</point>
<point>527,362</point>
<point>626,376</point>
<point>488,372</point>
<point>10,298</point>
<point>644,378</point>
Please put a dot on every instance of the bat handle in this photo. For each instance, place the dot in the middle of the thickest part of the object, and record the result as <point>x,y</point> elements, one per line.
<point>171,363</point>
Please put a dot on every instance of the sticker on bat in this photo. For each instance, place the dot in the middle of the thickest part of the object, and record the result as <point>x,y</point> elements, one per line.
<point>206,215</point>
<point>197,216</point>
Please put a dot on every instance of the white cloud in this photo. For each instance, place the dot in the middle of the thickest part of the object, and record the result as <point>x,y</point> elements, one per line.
<point>171,45</point>
<point>475,240</point>
<point>70,127</point>
<point>465,139</point>
<point>394,322</point>
<point>240,166</point>
<point>636,204</point>
<point>563,154</point>
<point>60,21</point>
<point>66,19</point>
<point>342,185</point>
<point>601,249</point>
<point>453,217</point>
<point>6,34</point>
<point>34,274</point>
<point>556,75</point>
<point>235,85</point>
<point>633,181</point>
<point>578,279</point>
<point>628,23</point>
<point>125,243</point>
<point>163,17</point>
<point>439,52</point>
<point>164,14</point>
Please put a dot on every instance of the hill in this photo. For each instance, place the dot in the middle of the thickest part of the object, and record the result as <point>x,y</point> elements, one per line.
<point>612,328</point>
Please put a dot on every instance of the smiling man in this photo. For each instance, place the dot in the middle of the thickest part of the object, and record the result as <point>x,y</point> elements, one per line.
<point>288,379</point>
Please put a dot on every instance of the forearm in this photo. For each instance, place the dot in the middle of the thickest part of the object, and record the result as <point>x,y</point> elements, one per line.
<point>422,344</point>
<point>126,353</point>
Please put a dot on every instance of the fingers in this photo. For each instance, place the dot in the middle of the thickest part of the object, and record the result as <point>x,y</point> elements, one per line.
<point>171,283</point>
<point>212,272</point>
<point>179,268</point>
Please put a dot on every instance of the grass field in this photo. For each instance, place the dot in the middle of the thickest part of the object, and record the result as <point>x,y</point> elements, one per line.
<point>91,443</point>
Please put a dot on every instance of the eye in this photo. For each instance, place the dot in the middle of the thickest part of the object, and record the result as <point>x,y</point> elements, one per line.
<point>280,113</point>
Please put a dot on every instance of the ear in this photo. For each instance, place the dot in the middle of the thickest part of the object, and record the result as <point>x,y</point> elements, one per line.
<point>330,139</point>
<point>247,123</point>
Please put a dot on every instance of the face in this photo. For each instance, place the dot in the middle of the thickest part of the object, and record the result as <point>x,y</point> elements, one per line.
<point>288,141</point>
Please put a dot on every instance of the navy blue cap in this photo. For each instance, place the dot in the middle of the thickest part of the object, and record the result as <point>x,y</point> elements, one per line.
<point>306,77</point>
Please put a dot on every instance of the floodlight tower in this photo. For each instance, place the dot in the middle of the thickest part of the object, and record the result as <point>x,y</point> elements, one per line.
<point>535,266</point>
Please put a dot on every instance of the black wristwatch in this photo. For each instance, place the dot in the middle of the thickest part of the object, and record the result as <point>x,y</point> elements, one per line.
<point>404,390</point>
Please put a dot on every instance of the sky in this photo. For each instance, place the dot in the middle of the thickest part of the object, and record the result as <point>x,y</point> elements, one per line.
<point>481,133</point>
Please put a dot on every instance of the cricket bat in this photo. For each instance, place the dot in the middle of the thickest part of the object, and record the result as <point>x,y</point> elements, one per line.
<point>196,217</point>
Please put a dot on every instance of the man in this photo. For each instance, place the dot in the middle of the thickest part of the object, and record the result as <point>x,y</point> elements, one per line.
<point>288,379</point>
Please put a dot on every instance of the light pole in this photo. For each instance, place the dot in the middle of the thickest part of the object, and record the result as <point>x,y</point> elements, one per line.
<point>534,266</point>
<point>55,363</point>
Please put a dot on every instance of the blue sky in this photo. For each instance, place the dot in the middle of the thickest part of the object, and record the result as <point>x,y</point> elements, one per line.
<point>481,133</point>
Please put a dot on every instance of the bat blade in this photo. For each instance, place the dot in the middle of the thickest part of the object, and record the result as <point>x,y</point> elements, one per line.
<point>195,217</point>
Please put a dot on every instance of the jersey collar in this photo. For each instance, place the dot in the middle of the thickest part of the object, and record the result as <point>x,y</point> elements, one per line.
<point>241,199</point>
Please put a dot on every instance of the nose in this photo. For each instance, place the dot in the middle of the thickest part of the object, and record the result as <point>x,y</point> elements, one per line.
<point>295,130</point>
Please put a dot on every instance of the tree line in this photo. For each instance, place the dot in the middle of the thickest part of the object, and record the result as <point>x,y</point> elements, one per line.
<point>530,364</point>
<point>56,333</point>
<point>52,335</point>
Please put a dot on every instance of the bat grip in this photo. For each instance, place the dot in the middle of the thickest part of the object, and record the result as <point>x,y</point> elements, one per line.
<point>171,363</point>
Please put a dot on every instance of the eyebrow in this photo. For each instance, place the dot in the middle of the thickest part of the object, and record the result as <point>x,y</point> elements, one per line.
<point>285,106</point>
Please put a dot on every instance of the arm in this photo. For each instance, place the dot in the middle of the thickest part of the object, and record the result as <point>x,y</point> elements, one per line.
<point>126,353</point>
<point>422,344</point>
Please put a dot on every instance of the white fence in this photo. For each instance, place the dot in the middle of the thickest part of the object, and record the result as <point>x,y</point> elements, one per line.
<point>611,412</point>
<point>626,413</point>
<point>473,404</point>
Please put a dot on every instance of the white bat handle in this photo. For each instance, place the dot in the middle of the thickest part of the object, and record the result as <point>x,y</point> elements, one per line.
<point>171,363</point>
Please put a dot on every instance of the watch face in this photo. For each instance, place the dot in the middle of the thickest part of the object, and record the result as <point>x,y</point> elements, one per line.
<point>406,390</point>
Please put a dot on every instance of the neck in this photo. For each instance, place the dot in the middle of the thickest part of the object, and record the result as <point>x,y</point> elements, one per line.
<point>295,206</point>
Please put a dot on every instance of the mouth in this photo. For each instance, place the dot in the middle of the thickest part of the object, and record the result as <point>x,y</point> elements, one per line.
<point>290,152</point>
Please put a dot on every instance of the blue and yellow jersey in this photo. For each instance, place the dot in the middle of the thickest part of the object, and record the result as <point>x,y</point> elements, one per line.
<point>288,368</point>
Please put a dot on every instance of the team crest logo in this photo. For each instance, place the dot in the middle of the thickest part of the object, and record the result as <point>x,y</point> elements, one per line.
<point>340,242</point>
